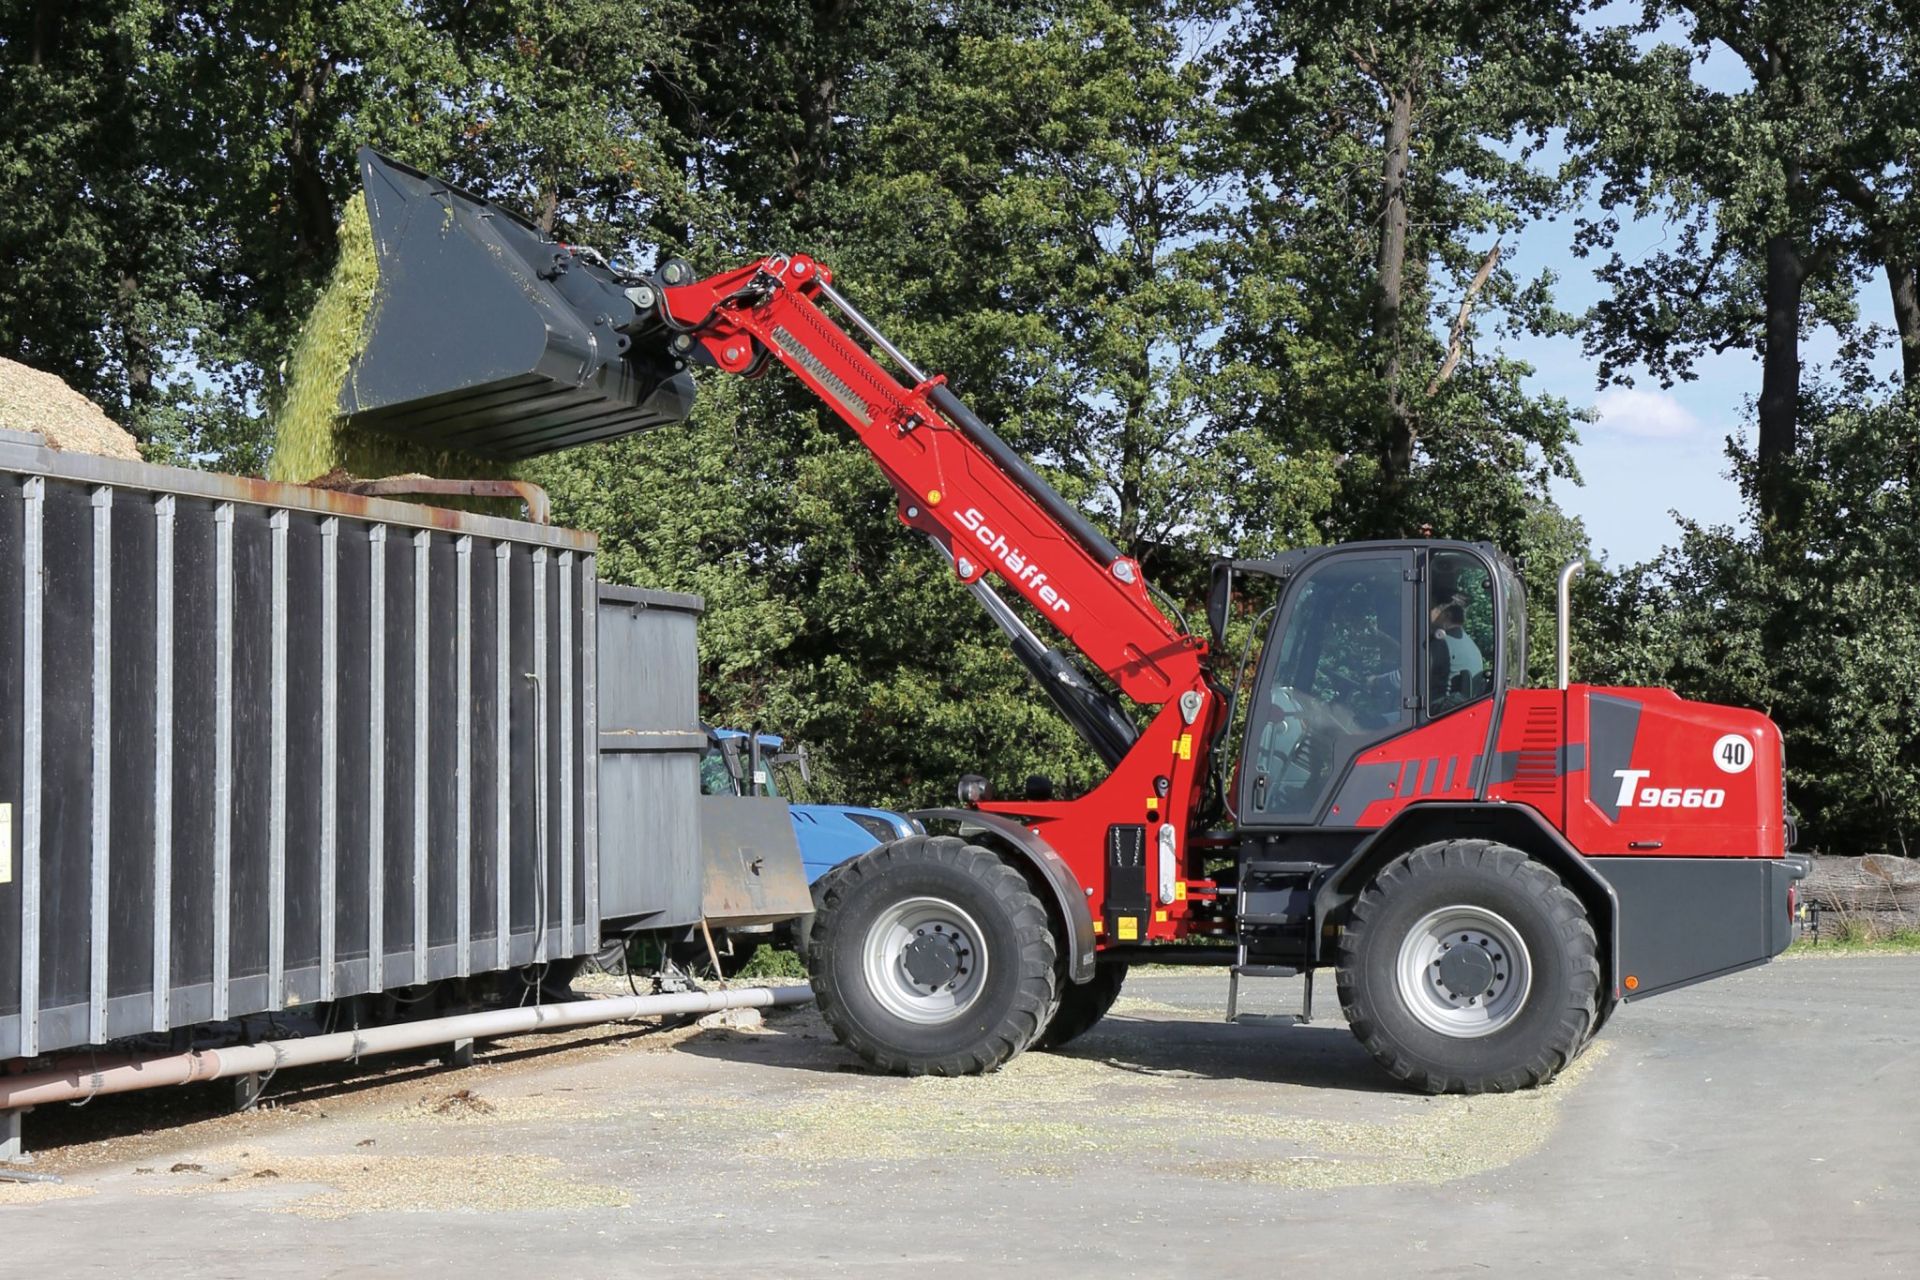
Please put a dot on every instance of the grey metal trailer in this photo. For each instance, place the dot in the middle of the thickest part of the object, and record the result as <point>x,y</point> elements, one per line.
<point>732,861</point>
<point>264,745</point>
<point>650,744</point>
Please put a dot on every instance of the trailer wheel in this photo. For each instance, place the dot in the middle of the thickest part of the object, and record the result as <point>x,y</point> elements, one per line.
<point>1079,1005</point>
<point>1467,967</point>
<point>931,956</point>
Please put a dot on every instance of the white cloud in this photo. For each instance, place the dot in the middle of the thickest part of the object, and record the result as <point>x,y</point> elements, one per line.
<point>1646,415</point>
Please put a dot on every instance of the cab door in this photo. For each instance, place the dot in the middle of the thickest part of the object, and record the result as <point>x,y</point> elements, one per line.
<point>1339,674</point>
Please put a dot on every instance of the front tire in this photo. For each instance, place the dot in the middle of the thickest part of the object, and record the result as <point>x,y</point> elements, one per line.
<point>1467,967</point>
<point>931,956</point>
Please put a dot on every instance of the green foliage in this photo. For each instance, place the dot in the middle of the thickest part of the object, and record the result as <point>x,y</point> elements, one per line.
<point>1857,936</point>
<point>1350,120</point>
<point>1728,168</point>
<point>1822,634</point>
<point>307,430</point>
<point>772,962</point>
<point>1226,272</point>
<point>99,238</point>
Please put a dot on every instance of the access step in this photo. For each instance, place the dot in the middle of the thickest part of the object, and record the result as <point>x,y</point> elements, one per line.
<point>1277,870</point>
<point>1240,971</point>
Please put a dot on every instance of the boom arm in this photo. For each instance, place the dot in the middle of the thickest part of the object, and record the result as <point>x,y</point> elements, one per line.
<point>958,482</point>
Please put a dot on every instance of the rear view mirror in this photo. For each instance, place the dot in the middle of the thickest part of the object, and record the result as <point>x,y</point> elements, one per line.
<point>1219,600</point>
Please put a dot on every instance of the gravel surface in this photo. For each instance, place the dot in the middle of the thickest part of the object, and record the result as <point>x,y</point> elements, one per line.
<point>1690,1142</point>
<point>39,402</point>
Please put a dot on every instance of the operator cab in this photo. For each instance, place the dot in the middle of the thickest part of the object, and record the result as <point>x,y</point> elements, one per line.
<point>1367,642</point>
<point>748,764</point>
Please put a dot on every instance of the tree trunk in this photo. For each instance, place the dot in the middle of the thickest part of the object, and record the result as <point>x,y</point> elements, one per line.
<point>313,219</point>
<point>1390,287</point>
<point>138,347</point>
<point>1780,369</point>
<point>44,20</point>
<point>819,97</point>
<point>1903,282</point>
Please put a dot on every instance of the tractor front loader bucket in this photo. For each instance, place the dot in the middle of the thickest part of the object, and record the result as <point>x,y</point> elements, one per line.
<point>486,337</point>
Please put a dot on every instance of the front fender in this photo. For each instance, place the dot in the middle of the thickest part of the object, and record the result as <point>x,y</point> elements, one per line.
<point>1069,896</point>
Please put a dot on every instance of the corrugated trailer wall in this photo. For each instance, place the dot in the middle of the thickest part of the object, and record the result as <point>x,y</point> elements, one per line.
<point>651,741</point>
<point>252,735</point>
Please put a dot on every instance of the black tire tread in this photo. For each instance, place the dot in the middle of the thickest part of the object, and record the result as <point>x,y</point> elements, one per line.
<point>1581,999</point>
<point>1022,1023</point>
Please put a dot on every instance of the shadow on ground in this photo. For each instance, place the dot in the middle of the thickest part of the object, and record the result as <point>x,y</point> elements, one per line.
<point>1319,1055</point>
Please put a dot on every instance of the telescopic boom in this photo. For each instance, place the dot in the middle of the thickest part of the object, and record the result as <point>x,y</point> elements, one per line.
<point>958,482</point>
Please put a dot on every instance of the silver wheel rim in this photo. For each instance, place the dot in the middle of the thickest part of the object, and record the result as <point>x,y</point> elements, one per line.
<point>1464,971</point>
<point>924,960</point>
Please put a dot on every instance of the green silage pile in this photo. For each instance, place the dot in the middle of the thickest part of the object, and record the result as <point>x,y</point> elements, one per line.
<point>311,439</point>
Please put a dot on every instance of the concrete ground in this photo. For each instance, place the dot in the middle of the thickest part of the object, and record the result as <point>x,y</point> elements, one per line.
<point>1764,1125</point>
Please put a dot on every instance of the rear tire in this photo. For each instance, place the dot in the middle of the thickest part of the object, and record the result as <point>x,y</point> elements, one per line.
<point>1467,967</point>
<point>931,956</point>
<point>1081,1005</point>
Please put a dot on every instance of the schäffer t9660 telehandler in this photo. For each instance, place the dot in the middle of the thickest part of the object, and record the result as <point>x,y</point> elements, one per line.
<point>1489,869</point>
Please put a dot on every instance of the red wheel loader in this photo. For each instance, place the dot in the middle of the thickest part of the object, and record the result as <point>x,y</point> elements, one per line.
<point>1488,868</point>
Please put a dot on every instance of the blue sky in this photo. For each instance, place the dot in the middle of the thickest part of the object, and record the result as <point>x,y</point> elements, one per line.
<point>1653,450</point>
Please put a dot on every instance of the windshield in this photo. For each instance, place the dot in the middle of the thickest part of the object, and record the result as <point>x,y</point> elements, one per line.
<point>715,778</point>
<point>1334,680</point>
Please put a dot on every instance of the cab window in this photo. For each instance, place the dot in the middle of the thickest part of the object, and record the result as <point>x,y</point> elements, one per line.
<point>1516,598</point>
<point>1461,631</point>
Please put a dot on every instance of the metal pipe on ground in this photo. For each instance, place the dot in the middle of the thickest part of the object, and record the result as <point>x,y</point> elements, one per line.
<point>77,1081</point>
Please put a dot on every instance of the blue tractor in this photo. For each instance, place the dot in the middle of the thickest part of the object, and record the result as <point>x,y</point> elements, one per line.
<point>740,763</point>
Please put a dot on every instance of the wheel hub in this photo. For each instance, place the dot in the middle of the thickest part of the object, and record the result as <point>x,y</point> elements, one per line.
<point>924,961</point>
<point>932,959</point>
<point>1464,971</point>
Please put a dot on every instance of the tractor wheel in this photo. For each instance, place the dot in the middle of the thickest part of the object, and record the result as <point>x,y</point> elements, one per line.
<point>1081,1004</point>
<point>931,956</point>
<point>1467,967</point>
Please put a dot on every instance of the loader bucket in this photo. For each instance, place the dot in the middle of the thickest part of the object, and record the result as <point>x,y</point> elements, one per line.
<point>486,338</point>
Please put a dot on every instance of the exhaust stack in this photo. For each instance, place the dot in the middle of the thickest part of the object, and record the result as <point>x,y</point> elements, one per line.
<point>488,338</point>
<point>1563,611</point>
